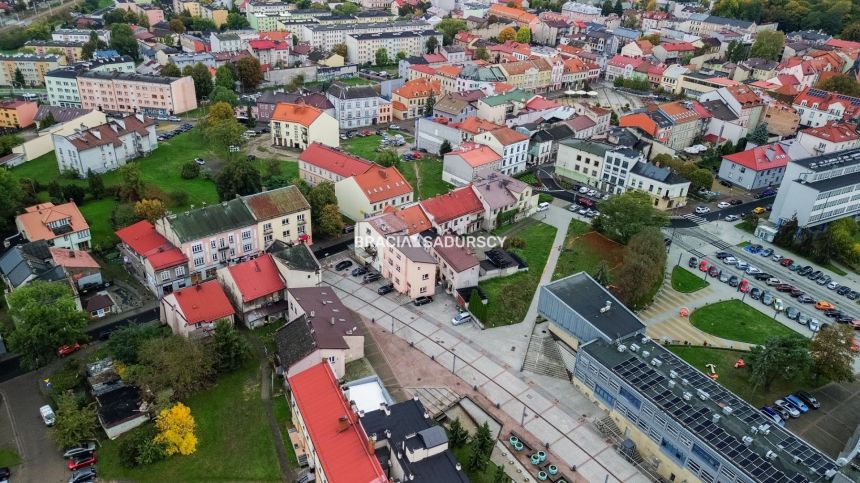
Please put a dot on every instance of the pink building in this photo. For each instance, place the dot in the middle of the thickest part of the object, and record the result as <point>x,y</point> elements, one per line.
<point>410,268</point>
<point>270,52</point>
<point>125,92</point>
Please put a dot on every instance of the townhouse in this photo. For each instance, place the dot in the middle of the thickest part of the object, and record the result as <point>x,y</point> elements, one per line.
<point>369,193</point>
<point>616,166</point>
<point>270,53</point>
<point>355,106</point>
<point>535,75</point>
<point>456,107</point>
<point>743,101</point>
<point>627,68</point>
<point>543,145</point>
<point>299,125</point>
<point>829,138</point>
<point>511,145</point>
<point>459,211</point>
<point>666,189</point>
<point>151,258</point>
<point>256,289</point>
<point>461,166</point>
<point>297,264</point>
<point>410,100</point>
<point>498,108</point>
<point>505,200</point>
<point>125,92</point>
<point>60,226</point>
<point>226,42</point>
<point>372,234</point>
<point>17,114</point>
<point>581,161</point>
<point>282,215</point>
<point>79,35</point>
<point>672,52</point>
<point>458,267</point>
<point>32,66</point>
<point>578,73</point>
<point>521,17</point>
<point>675,124</point>
<point>409,267</point>
<point>105,147</point>
<point>319,163</point>
<point>192,312</point>
<point>817,107</point>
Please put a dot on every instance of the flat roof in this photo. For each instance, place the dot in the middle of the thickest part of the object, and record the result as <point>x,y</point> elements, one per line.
<point>826,162</point>
<point>395,35</point>
<point>587,298</point>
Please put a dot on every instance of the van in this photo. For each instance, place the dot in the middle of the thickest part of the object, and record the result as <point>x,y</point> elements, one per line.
<point>543,206</point>
<point>47,415</point>
<point>461,318</point>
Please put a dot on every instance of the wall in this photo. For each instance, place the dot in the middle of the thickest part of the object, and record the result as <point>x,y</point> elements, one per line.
<point>43,144</point>
<point>285,76</point>
<point>351,200</point>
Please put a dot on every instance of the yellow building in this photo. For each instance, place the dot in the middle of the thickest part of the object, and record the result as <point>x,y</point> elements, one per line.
<point>17,114</point>
<point>32,66</point>
<point>408,101</point>
<point>530,75</point>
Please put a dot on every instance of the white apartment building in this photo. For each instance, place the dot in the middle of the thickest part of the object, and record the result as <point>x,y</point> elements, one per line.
<point>327,36</point>
<point>511,145</point>
<point>616,166</point>
<point>79,35</point>
<point>354,106</point>
<point>105,147</point>
<point>361,48</point>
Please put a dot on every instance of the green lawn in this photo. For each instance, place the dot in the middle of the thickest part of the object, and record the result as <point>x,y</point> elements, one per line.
<point>281,408</point>
<point>544,197</point>
<point>365,147</point>
<point>97,213</point>
<point>745,226</point>
<point>487,475</point>
<point>686,281</point>
<point>235,443</point>
<point>356,81</point>
<point>9,457</point>
<point>357,369</point>
<point>737,321</point>
<point>737,380</point>
<point>430,171</point>
<point>585,250</point>
<point>509,297</point>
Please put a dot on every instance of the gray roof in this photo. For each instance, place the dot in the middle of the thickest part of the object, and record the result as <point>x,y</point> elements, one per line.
<point>598,149</point>
<point>663,175</point>
<point>449,104</point>
<point>294,342</point>
<point>31,57</point>
<point>370,25</point>
<point>732,22</point>
<point>719,110</point>
<point>152,79</point>
<point>829,161</point>
<point>339,90</point>
<point>28,261</point>
<point>322,306</point>
<point>61,114</point>
<point>433,436</point>
<point>497,189</point>
<point>202,222</point>
<point>296,257</point>
<point>396,35</point>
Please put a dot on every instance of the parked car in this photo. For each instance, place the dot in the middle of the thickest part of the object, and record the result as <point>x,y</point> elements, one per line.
<point>732,218</point>
<point>766,193</point>
<point>758,210</point>
<point>824,280</point>
<point>824,305</point>
<point>48,416</point>
<point>343,265</point>
<point>805,299</point>
<point>422,300</point>
<point>714,271</point>
<point>692,262</point>
<point>730,260</point>
<point>68,349</point>
<point>777,258</point>
<point>734,281</point>
<point>784,287</point>
<point>543,206</point>
<point>85,475</point>
<point>762,276</point>
<point>766,298</point>
<point>833,313</point>
<point>814,325</point>
<point>772,415</point>
<point>385,289</point>
<point>371,277</point>
<point>724,277</point>
<point>832,285</point>
<point>461,318</point>
<point>744,286</point>
<point>791,313</point>
<point>773,281</point>
<point>723,204</point>
<point>791,410</point>
<point>755,293</point>
<point>797,403</point>
<point>82,461</point>
<point>783,413</point>
<point>80,448</point>
<point>786,262</point>
<point>803,319</point>
<point>742,265</point>
<point>843,290</point>
<point>794,267</point>
<point>808,399</point>
<point>735,202</point>
<point>703,266</point>
<point>766,252</point>
<point>804,271</point>
<point>778,304</point>
<point>701,210</point>
<point>852,295</point>
<point>844,319</point>
<point>357,271</point>
<point>753,270</point>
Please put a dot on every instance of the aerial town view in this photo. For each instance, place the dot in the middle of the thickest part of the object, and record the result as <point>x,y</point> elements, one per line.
<point>430,241</point>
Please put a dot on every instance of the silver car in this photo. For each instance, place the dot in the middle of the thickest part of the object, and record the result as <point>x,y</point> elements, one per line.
<point>791,410</point>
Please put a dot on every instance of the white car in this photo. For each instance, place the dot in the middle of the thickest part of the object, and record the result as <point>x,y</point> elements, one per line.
<point>592,193</point>
<point>47,415</point>
<point>730,260</point>
<point>732,218</point>
<point>543,206</point>
<point>583,190</point>
<point>787,407</point>
<point>723,204</point>
<point>742,264</point>
<point>461,318</point>
<point>701,210</point>
<point>832,285</point>
<point>752,270</point>
<point>814,325</point>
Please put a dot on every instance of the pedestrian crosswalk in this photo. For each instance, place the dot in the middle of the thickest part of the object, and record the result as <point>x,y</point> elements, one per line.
<point>720,244</point>
<point>695,218</point>
<point>707,237</point>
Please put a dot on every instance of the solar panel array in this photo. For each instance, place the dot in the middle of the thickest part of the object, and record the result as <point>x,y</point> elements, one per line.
<point>697,417</point>
<point>854,101</point>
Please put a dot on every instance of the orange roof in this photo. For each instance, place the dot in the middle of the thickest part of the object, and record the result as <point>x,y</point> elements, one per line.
<point>640,120</point>
<point>473,125</point>
<point>449,70</point>
<point>504,11</point>
<point>398,106</point>
<point>282,36</point>
<point>297,113</point>
<point>382,184</point>
<point>34,221</point>
<point>645,46</point>
<point>744,95</point>
<point>476,155</point>
<point>507,136</point>
<point>419,88</point>
<point>502,87</point>
<point>415,218</point>
<point>72,258</point>
<point>205,302</point>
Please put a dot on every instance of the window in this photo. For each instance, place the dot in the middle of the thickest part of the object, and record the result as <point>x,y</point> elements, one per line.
<point>180,271</point>
<point>300,217</point>
<point>630,398</point>
<point>425,276</point>
<point>196,248</point>
<point>212,243</point>
<point>423,290</point>
<point>198,261</point>
<point>673,451</point>
<point>267,226</point>
<point>331,359</point>
<point>285,221</point>
<point>246,247</point>
<point>214,257</point>
<point>267,238</point>
<point>705,456</point>
<point>246,235</point>
<point>604,395</point>
<point>165,275</point>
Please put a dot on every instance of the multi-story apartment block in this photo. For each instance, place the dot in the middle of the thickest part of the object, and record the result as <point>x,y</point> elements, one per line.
<point>410,267</point>
<point>216,13</point>
<point>157,263</point>
<point>817,107</point>
<point>355,106</point>
<point>121,92</point>
<point>62,84</point>
<point>327,36</point>
<point>361,48</point>
<point>60,226</point>
<point>533,75</point>
<point>105,147</point>
<point>190,6</point>
<point>282,215</point>
<point>79,35</point>
<point>17,114</point>
<point>829,138</point>
<point>511,145</point>
<point>757,167</point>
<point>32,66</point>
<point>226,42</point>
<point>299,125</point>
<point>409,101</point>
<point>617,164</point>
<point>370,193</point>
<point>72,50</point>
<point>152,13</point>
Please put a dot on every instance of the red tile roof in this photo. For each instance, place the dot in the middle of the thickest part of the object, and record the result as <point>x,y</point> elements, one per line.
<point>379,184</point>
<point>452,205</point>
<point>341,445</point>
<point>415,218</point>
<point>623,61</point>
<point>72,258</point>
<point>257,278</point>
<point>296,113</point>
<point>843,44</point>
<point>834,132</point>
<point>678,47</point>
<point>35,220</point>
<point>759,158</point>
<point>476,155</point>
<point>474,125</point>
<point>334,160</point>
<point>148,243</point>
<point>507,136</point>
<point>205,302</point>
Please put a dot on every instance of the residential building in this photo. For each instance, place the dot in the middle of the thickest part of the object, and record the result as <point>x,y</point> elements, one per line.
<point>369,193</point>
<point>105,147</point>
<point>22,264</point>
<point>226,42</point>
<point>511,145</point>
<point>458,266</point>
<point>355,106</point>
<point>298,125</point>
<point>818,189</point>
<point>743,101</point>
<point>362,47</point>
<point>685,428</point>
<point>152,13</point>
<point>68,120</point>
<point>409,101</point>
<point>758,167</point>
<point>122,92</point>
<point>148,255</point>
<point>270,53</point>
<point>82,270</point>
<point>372,234</point>
<point>458,211</point>
<point>521,17</point>
<point>186,59</point>
<point>462,165</point>
<point>504,199</point>
<point>409,267</point>
<point>256,289</point>
<point>212,236</point>
<point>533,75</point>
<point>32,66</point>
<point>71,50</point>
<point>817,107</point>
<point>297,264</point>
<point>581,161</point>
<point>583,12</point>
<point>17,114</point>
<point>543,145</point>
<point>62,84</point>
<point>192,312</point>
<point>829,138</point>
<point>666,189</point>
<point>577,73</point>
<point>334,330</point>
<point>599,115</point>
<point>675,124</point>
<point>433,132</point>
<point>282,214</point>
<point>327,36</point>
<point>60,226</point>
<point>316,400</point>
<point>216,13</point>
<point>455,107</point>
<point>267,102</point>
<point>319,163</point>
<point>79,35</point>
<point>672,52</point>
<point>499,108</point>
<point>616,165</point>
<point>627,68</point>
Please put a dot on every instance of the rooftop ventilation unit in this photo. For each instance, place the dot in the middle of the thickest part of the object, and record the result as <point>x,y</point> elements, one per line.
<point>747,440</point>
<point>671,384</point>
<point>770,455</point>
<point>727,410</point>
<point>715,418</point>
<point>685,381</point>
<point>622,348</point>
<point>702,394</point>
<point>645,340</point>
<point>634,347</point>
<point>645,354</point>
<point>673,374</point>
<point>656,362</point>
<point>687,396</point>
<point>764,429</point>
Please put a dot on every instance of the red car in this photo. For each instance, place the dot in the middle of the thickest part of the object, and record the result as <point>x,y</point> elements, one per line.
<point>786,262</point>
<point>416,154</point>
<point>744,286</point>
<point>66,350</point>
<point>82,461</point>
<point>703,266</point>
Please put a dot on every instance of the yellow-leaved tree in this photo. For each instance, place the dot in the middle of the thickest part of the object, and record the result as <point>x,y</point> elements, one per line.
<point>176,430</point>
<point>149,209</point>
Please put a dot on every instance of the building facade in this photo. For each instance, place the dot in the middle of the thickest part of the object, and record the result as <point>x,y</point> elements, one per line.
<point>122,92</point>
<point>106,147</point>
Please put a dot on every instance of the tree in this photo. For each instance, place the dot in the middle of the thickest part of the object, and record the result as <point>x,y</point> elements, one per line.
<point>202,80</point>
<point>19,77</point>
<point>93,44</point>
<point>786,356</point>
<point>150,210</point>
<point>347,8</point>
<point>46,317</point>
<point>222,94</point>
<point>524,35</point>
<point>249,115</point>
<point>627,214</point>
<point>500,476</point>
<point>832,357</point>
<point>601,276</point>
<point>330,222</point>
<point>381,56</point>
<point>482,54</point>
<point>483,441</point>
<point>177,26</point>
<point>642,270</point>
<point>75,193</point>
<point>751,219</point>
<point>431,45</point>
<point>823,247</point>
<point>74,422</point>
<point>429,105</point>
<point>651,5</point>
<point>237,21</point>
<point>388,158</point>
<point>477,460</point>
<point>758,136</point>
<point>174,363</point>
<point>768,44</point>
<point>618,9</point>
<point>9,141</point>
<point>47,121</point>
<point>842,233</point>
<point>219,111</point>
<point>224,78</point>
<point>445,148</point>
<point>458,436</point>
<point>176,428</point>
<point>122,40</point>
<point>95,184</point>
<point>606,7</point>
<point>223,134</point>
<point>318,197</point>
<point>785,235</point>
<point>171,70</point>
<point>699,177</point>
<point>401,55</point>
<point>851,32</point>
<point>230,348</point>
<point>11,198</point>
<point>653,38</point>
<point>737,51</point>
<point>841,83</point>
<point>341,50</point>
<point>449,28</point>
<point>249,72</point>
<point>477,307</point>
<point>131,187</point>
<point>124,343</point>
<point>507,33</point>
<point>239,177</point>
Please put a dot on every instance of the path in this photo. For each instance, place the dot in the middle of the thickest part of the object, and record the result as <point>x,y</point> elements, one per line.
<point>287,473</point>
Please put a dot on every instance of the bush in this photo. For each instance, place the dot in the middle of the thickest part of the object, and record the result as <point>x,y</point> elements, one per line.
<point>123,215</point>
<point>138,448</point>
<point>515,242</point>
<point>190,170</point>
<point>177,198</point>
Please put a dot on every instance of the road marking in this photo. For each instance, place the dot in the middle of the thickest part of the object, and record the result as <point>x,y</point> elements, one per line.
<point>695,218</point>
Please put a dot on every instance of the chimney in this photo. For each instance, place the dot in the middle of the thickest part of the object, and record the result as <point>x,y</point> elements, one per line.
<point>332,320</point>
<point>71,254</point>
<point>370,448</point>
<point>342,424</point>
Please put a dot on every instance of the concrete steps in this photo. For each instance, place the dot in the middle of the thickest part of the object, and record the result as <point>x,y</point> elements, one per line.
<point>544,357</point>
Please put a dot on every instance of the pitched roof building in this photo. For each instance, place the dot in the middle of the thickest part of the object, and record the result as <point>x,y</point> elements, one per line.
<point>193,311</point>
<point>320,163</point>
<point>369,193</point>
<point>60,225</point>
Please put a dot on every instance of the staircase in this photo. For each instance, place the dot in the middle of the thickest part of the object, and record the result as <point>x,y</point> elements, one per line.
<point>543,356</point>
<point>607,427</point>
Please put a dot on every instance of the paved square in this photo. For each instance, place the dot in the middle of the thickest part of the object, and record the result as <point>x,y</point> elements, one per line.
<point>466,352</point>
<point>366,294</point>
<point>512,383</point>
<point>425,327</point>
<point>495,393</point>
<point>514,408</point>
<point>535,400</point>
<point>570,453</point>
<point>429,347</point>
<point>588,439</point>
<point>561,420</point>
<point>347,285</point>
<point>404,314</point>
<point>541,429</point>
<point>487,367</point>
<point>470,375</point>
<point>593,472</point>
<point>616,463</point>
<point>385,305</point>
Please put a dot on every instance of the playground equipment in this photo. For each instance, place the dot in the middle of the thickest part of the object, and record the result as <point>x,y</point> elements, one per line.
<point>712,371</point>
<point>684,312</point>
<point>740,364</point>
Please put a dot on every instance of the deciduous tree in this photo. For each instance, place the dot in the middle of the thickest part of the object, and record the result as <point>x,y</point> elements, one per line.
<point>841,83</point>
<point>507,33</point>
<point>11,198</point>
<point>445,148</point>
<point>625,215</point>
<point>341,50</point>
<point>177,26</point>
<point>171,70</point>
<point>222,94</point>
<point>230,348</point>
<point>524,35</point>
<point>832,356</point>
<point>249,72</point>
<point>150,210</point>
<point>781,356</point>
<point>96,185</point>
<point>74,422</point>
<point>176,429</point>
<point>239,177</point>
<point>482,54</point>
<point>387,158</point>
<point>131,188</point>
<point>330,222</point>
<point>449,28</point>
<point>224,78</point>
<point>768,44</point>
<point>93,44</point>
<point>202,80</point>
<point>124,343</point>
<point>381,57</point>
<point>237,21</point>
<point>758,136</point>
<point>642,270</point>
<point>122,40</point>
<point>431,45</point>
<point>176,364</point>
